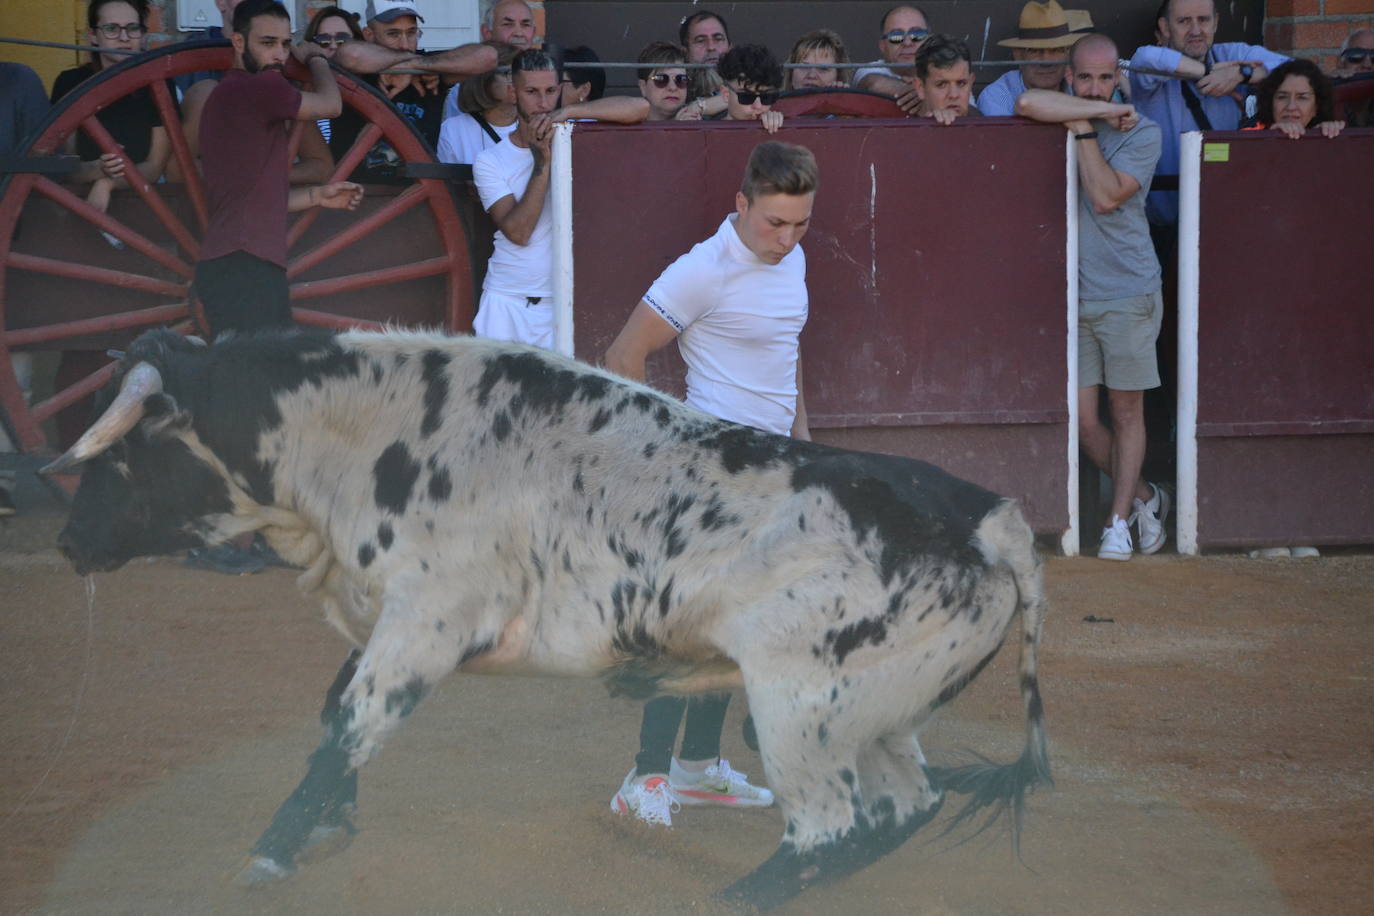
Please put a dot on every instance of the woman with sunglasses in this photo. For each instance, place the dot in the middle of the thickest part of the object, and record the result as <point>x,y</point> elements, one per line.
<point>663,88</point>
<point>330,28</point>
<point>133,121</point>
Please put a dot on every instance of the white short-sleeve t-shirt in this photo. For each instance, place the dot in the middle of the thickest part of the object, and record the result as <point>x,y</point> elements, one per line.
<point>739,320</point>
<point>461,138</point>
<point>516,270</point>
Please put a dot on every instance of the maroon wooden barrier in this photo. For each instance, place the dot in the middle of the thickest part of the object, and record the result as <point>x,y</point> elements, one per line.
<point>1285,386</point>
<point>936,269</point>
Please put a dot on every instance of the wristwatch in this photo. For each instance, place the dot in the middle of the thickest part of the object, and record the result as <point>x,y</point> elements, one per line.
<point>1086,135</point>
<point>1246,71</point>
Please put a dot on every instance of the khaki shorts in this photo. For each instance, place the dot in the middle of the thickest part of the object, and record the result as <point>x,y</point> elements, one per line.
<point>1116,342</point>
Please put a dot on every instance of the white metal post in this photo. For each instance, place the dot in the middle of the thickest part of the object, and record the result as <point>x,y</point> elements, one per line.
<point>1189,199</point>
<point>1069,542</point>
<point>561,189</point>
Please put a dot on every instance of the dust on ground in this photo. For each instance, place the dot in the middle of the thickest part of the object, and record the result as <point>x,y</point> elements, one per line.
<point>1212,750</point>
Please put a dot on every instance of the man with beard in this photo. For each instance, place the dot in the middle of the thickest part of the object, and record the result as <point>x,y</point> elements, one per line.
<point>512,179</point>
<point>1120,306</point>
<point>1042,34</point>
<point>244,137</point>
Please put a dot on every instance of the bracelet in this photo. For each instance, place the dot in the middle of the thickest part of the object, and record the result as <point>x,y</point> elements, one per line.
<point>1090,135</point>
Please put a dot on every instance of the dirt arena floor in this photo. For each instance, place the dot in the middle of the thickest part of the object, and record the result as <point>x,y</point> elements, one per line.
<point>1211,725</point>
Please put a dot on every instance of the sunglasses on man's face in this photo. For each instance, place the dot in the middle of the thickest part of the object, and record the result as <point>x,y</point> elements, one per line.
<point>331,41</point>
<point>661,80</point>
<point>897,36</point>
<point>1355,55</point>
<point>745,97</point>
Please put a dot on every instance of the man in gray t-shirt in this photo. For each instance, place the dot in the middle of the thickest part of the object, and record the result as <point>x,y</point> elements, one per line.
<point>1119,301</point>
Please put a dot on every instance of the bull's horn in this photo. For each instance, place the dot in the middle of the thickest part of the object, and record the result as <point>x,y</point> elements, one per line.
<point>121,416</point>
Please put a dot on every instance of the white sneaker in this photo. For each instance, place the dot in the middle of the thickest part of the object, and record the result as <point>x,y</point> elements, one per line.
<point>1148,518</point>
<point>718,785</point>
<point>648,798</point>
<point>1116,541</point>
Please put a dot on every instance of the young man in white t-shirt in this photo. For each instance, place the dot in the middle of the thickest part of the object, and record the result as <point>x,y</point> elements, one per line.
<point>513,181</point>
<point>736,304</point>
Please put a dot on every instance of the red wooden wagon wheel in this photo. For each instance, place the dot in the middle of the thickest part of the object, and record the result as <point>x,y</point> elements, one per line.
<point>73,278</point>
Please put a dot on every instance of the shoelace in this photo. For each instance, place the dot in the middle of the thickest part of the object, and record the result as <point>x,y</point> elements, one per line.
<point>656,803</point>
<point>719,773</point>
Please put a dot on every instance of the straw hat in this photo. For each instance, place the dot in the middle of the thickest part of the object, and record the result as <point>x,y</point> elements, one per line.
<point>1042,25</point>
<point>1080,21</point>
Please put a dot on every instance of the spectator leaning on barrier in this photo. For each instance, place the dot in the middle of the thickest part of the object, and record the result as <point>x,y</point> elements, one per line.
<point>1223,72</point>
<point>512,179</point>
<point>132,120</point>
<point>736,303</point>
<point>486,114</point>
<point>706,38</point>
<point>23,106</point>
<point>330,28</point>
<point>1356,60</point>
<point>820,51</point>
<point>1120,304</point>
<point>944,79</point>
<point>393,33</point>
<point>752,80</point>
<point>581,84</point>
<point>900,34</point>
<point>1043,33</point>
<point>662,89</point>
<point>1295,98</point>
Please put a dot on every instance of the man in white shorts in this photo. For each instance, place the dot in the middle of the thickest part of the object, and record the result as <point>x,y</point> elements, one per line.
<point>736,304</point>
<point>513,181</point>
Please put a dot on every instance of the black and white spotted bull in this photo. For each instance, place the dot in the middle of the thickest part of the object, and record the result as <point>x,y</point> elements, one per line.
<point>467,504</point>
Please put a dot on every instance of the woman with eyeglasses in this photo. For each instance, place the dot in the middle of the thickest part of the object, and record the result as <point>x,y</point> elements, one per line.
<point>486,113</point>
<point>330,28</point>
<point>133,121</point>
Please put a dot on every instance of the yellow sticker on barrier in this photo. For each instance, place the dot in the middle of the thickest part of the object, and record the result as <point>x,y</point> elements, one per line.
<point>1216,152</point>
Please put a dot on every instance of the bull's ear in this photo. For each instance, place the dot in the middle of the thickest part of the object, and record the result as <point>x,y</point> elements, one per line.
<point>162,416</point>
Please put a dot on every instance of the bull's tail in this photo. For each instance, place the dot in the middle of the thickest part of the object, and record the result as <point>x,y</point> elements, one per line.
<point>1006,540</point>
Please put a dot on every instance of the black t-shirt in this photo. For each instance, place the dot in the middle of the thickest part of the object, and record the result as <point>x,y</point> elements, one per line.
<point>130,119</point>
<point>382,163</point>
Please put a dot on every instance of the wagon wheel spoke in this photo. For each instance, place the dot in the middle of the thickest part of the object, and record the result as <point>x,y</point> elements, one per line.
<point>86,272</point>
<point>142,188</point>
<point>370,278</point>
<point>411,197</point>
<point>73,393</point>
<point>367,138</point>
<point>171,122</point>
<point>103,221</point>
<point>46,333</point>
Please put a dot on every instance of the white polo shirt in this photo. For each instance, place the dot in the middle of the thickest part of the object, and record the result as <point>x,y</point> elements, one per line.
<point>738,320</point>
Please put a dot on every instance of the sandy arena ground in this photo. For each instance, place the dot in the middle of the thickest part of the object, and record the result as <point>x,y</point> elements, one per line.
<point>1213,743</point>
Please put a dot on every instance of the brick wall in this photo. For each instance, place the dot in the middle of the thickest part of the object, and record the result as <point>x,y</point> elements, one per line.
<point>1314,28</point>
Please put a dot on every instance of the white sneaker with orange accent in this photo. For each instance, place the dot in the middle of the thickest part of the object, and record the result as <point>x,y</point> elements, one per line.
<point>648,798</point>
<point>718,785</point>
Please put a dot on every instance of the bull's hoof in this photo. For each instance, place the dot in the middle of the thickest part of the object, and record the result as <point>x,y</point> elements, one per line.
<point>262,871</point>
<point>326,840</point>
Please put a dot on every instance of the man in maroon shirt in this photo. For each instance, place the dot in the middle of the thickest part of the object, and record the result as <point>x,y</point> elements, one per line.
<point>244,136</point>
